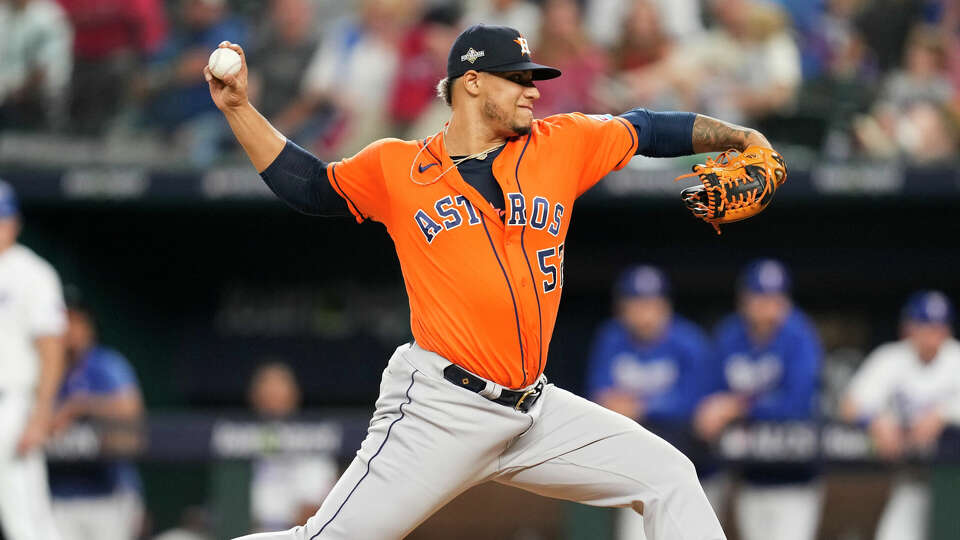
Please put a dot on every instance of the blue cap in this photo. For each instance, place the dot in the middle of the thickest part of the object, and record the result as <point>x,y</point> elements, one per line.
<point>765,276</point>
<point>928,307</point>
<point>8,201</point>
<point>496,49</point>
<point>642,281</point>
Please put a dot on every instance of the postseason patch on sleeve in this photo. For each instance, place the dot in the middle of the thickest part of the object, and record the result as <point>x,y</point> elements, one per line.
<point>600,117</point>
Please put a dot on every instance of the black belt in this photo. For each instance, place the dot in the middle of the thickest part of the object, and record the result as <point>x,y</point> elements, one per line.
<point>520,400</point>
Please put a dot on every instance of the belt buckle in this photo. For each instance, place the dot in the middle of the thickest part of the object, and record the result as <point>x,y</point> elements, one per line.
<point>523,397</point>
<point>520,401</point>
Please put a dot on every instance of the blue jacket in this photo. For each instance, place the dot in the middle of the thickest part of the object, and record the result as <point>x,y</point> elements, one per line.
<point>101,372</point>
<point>780,377</point>
<point>669,374</point>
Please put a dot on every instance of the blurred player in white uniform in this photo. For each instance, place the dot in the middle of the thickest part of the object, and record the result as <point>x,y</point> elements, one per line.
<point>907,392</point>
<point>32,323</point>
<point>286,488</point>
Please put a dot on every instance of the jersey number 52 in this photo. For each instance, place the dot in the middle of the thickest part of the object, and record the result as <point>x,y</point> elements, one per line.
<point>551,268</point>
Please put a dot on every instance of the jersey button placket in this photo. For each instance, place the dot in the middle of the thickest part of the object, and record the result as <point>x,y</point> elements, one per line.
<point>519,276</point>
<point>518,265</point>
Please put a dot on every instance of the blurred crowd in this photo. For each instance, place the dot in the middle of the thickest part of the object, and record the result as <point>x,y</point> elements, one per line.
<point>848,78</point>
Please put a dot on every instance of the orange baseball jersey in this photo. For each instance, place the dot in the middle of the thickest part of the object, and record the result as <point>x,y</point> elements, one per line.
<point>484,292</point>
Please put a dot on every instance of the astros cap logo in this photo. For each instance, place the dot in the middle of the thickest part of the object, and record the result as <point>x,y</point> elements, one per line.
<point>524,47</point>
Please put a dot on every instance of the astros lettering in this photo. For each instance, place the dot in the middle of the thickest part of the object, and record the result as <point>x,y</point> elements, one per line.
<point>454,211</point>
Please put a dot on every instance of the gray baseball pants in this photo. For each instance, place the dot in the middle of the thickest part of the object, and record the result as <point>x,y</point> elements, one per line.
<point>430,440</point>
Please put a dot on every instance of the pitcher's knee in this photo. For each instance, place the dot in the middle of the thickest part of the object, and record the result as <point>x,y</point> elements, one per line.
<point>687,466</point>
<point>661,467</point>
<point>674,462</point>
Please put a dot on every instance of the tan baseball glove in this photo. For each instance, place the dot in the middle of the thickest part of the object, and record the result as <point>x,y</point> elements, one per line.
<point>734,185</point>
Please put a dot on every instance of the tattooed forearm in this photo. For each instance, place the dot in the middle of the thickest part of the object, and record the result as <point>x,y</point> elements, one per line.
<point>712,135</point>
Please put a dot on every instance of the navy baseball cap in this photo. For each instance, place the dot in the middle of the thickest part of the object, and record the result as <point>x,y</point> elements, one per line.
<point>495,49</point>
<point>928,307</point>
<point>8,201</point>
<point>765,276</point>
<point>642,281</point>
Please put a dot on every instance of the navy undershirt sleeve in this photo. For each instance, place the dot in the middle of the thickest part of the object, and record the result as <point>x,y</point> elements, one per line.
<point>662,134</point>
<point>300,180</point>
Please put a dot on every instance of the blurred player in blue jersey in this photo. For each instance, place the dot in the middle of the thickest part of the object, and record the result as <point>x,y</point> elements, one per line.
<point>98,500</point>
<point>907,392</point>
<point>769,364</point>
<point>647,363</point>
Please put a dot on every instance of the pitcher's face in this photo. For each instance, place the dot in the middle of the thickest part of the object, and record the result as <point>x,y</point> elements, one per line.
<point>507,101</point>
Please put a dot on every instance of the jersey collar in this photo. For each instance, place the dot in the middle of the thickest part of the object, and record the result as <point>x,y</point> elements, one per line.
<point>504,166</point>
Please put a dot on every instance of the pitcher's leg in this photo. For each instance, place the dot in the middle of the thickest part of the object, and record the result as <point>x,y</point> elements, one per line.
<point>580,451</point>
<point>390,486</point>
<point>428,441</point>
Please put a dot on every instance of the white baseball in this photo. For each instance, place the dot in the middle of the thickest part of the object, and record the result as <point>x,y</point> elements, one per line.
<point>224,61</point>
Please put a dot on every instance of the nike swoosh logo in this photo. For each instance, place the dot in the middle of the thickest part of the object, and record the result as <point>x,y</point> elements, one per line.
<point>422,168</point>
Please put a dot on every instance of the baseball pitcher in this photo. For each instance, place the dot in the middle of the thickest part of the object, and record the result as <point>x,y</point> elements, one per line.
<point>478,213</point>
